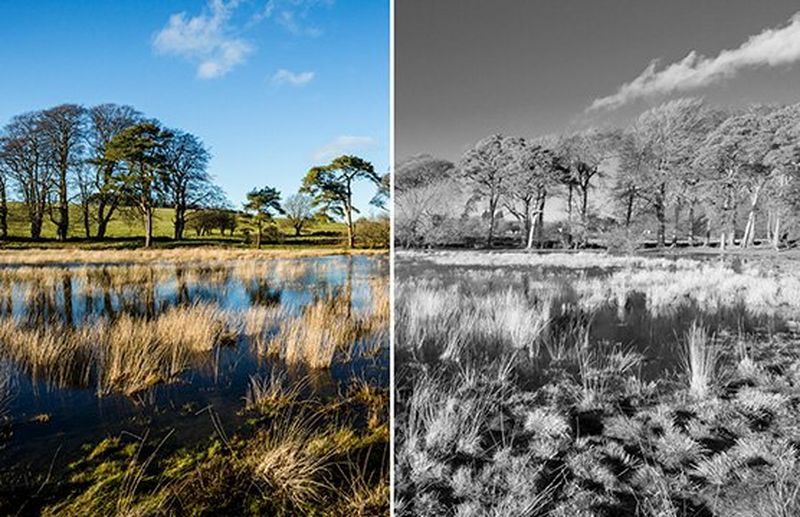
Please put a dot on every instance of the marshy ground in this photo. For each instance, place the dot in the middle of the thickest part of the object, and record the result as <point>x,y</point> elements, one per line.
<point>587,384</point>
<point>203,382</point>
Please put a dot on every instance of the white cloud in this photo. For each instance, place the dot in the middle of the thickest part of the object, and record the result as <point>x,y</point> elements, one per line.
<point>772,47</point>
<point>284,76</point>
<point>204,39</point>
<point>342,144</point>
<point>293,15</point>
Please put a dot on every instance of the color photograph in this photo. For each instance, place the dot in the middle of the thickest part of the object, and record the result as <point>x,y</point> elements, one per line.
<point>194,267</point>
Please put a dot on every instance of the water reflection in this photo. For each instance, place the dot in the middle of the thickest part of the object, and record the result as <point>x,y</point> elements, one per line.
<point>138,307</point>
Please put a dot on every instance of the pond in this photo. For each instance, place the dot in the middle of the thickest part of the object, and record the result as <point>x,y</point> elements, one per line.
<point>611,308</point>
<point>61,397</point>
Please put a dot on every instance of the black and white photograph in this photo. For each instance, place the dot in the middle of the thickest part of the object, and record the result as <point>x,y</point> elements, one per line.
<point>597,286</point>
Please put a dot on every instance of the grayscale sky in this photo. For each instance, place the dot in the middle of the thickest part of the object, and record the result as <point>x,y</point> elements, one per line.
<point>469,68</point>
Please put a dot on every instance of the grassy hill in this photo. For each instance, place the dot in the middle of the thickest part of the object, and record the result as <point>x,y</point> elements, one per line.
<point>126,230</point>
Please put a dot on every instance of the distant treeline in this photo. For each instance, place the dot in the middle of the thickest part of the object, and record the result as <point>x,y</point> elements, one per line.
<point>111,157</point>
<point>682,172</point>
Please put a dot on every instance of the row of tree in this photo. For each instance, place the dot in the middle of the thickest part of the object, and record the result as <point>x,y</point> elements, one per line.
<point>111,157</point>
<point>327,190</point>
<point>101,158</point>
<point>684,165</point>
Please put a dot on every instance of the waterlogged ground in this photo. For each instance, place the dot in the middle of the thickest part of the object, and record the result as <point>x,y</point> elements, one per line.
<point>176,351</point>
<point>586,384</point>
<point>612,300</point>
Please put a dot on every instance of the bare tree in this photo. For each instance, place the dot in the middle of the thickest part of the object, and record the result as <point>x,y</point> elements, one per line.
<point>184,181</point>
<point>670,135</point>
<point>63,129</point>
<point>24,154</point>
<point>784,157</point>
<point>733,158</point>
<point>584,154</point>
<point>423,186</point>
<point>299,210</point>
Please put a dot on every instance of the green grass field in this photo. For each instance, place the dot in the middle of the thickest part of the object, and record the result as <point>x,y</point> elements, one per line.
<point>126,230</point>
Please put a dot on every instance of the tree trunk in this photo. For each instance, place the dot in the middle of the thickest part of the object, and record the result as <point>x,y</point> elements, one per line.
<point>148,227</point>
<point>629,211</point>
<point>750,228</point>
<point>103,217</point>
<point>101,228</point>
<point>351,234</point>
<point>529,244</point>
<point>62,228</point>
<point>691,224</point>
<point>661,216</point>
<point>258,236</point>
<point>539,222</point>
<point>351,237</point>
<point>36,227</point>
<point>527,226</point>
<point>569,214</point>
<point>492,210</point>
<point>87,228</point>
<point>584,206</point>
<point>180,221</point>
<point>3,213</point>
<point>676,223</point>
<point>776,234</point>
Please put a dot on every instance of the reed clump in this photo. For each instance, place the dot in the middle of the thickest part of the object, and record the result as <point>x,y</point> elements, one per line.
<point>700,360</point>
<point>329,328</point>
<point>314,338</point>
<point>123,355</point>
<point>272,393</point>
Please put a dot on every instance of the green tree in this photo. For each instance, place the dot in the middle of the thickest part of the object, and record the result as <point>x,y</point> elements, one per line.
<point>141,149</point>
<point>332,187</point>
<point>260,205</point>
<point>99,187</point>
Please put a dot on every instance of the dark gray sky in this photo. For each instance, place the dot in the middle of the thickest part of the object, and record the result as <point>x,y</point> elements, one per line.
<point>468,68</point>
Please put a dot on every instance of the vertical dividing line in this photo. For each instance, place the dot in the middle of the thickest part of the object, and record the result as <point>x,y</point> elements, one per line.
<point>391,256</point>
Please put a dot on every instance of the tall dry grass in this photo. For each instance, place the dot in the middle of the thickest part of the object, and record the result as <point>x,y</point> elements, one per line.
<point>448,323</point>
<point>273,392</point>
<point>324,328</point>
<point>700,360</point>
<point>150,256</point>
<point>328,328</point>
<point>286,464</point>
<point>124,355</point>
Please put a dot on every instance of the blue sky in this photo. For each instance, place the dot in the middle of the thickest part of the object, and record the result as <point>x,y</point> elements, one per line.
<point>272,87</point>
